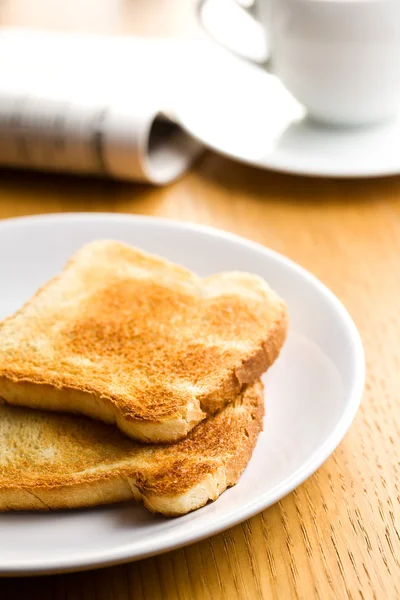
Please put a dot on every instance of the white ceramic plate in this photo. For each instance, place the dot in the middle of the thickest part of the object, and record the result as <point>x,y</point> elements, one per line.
<point>238,109</point>
<point>313,391</point>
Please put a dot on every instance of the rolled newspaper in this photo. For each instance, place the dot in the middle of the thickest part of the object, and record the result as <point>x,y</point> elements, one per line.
<point>92,104</point>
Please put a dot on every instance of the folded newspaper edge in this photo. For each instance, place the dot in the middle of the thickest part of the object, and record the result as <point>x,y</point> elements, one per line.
<point>67,104</point>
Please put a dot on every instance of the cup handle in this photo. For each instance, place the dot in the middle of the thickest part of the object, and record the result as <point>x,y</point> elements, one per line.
<point>234,25</point>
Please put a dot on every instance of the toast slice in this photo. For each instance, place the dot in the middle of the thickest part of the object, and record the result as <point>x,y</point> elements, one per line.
<point>132,339</point>
<point>50,460</point>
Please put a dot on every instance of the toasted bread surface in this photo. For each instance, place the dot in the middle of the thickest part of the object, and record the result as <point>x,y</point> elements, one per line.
<point>51,460</point>
<point>135,340</point>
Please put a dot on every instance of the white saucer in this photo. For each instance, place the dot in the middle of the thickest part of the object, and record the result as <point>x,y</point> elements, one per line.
<point>240,110</point>
<point>313,391</point>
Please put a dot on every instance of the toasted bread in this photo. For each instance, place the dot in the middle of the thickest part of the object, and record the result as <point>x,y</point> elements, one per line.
<point>50,460</point>
<point>135,340</point>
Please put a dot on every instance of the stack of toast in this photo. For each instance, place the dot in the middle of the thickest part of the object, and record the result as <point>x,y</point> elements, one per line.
<point>161,370</point>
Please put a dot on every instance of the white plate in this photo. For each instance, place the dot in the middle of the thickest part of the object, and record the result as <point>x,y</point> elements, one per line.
<point>238,109</point>
<point>313,391</point>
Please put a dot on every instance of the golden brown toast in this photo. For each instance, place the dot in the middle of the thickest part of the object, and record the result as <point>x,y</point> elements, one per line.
<point>132,339</point>
<point>50,460</point>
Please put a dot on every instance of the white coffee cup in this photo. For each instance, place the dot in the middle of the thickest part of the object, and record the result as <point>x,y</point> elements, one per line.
<point>339,58</point>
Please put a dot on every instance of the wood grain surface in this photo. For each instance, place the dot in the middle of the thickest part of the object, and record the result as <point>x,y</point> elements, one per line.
<point>337,536</point>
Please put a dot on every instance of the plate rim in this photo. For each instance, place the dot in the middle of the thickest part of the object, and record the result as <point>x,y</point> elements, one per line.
<point>277,166</point>
<point>122,554</point>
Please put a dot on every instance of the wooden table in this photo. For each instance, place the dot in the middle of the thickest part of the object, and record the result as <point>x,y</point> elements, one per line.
<point>337,535</point>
